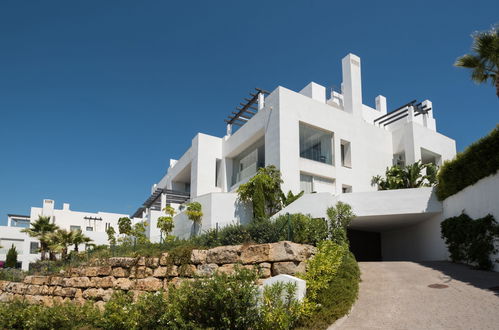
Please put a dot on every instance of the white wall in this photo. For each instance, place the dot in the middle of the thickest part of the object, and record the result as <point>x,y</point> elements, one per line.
<point>420,242</point>
<point>477,201</point>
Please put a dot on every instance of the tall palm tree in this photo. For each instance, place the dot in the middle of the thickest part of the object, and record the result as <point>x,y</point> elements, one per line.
<point>79,238</point>
<point>40,230</point>
<point>485,60</point>
<point>60,241</point>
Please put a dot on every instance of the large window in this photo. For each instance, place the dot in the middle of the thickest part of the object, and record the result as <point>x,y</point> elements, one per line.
<point>34,247</point>
<point>247,163</point>
<point>312,183</point>
<point>316,144</point>
<point>16,222</point>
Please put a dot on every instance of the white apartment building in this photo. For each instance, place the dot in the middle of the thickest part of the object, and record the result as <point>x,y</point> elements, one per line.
<point>322,142</point>
<point>93,225</point>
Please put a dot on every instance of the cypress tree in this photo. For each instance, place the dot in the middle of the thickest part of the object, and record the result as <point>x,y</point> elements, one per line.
<point>11,260</point>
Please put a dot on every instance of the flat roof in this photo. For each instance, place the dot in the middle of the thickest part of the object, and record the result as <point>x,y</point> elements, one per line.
<point>18,215</point>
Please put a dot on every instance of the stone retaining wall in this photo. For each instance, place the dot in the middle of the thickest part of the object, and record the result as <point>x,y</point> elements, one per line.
<point>139,275</point>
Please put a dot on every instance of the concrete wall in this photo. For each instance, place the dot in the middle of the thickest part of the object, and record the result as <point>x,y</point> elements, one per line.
<point>477,201</point>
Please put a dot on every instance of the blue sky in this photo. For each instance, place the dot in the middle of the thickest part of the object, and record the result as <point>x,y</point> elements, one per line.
<point>97,96</point>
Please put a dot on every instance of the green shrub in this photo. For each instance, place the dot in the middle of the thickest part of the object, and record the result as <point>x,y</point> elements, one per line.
<point>221,302</point>
<point>470,241</point>
<point>332,285</point>
<point>478,161</point>
<point>11,259</point>
<point>233,234</point>
<point>302,228</point>
<point>279,308</point>
<point>263,231</point>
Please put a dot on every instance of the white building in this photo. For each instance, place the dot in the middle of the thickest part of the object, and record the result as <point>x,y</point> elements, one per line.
<point>93,225</point>
<point>324,142</point>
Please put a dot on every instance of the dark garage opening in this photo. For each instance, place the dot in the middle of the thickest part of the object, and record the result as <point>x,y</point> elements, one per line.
<point>365,245</point>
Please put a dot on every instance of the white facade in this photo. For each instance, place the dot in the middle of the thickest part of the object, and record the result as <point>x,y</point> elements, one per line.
<point>321,143</point>
<point>92,225</point>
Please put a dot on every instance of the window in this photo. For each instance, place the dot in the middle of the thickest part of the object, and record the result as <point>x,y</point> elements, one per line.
<point>89,229</point>
<point>16,222</point>
<point>6,244</point>
<point>306,183</point>
<point>33,247</point>
<point>247,163</point>
<point>399,159</point>
<point>74,228</point>
<point>316,144</point>
<point>218,164</point>
<point>310,184</point>
<point>346,154</point>
<point>346,189</point>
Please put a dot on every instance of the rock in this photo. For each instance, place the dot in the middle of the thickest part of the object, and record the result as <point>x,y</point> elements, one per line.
<point>6,297</point>
<point>228,269</point>
<point>98,294</point>
<point>120,272</point>
<point>123,284</point>
<point>122,262</point>
<point>288,267</point>
<point>141,261</point>
<point>47,290</point>
<point>224,254</point>
<point>301,285</point>
<point>78,293</point>
<point>199,256</point>
<point>34,290</point>
<point>3,285</point>
<point>56,280</point>
<point>168,271</point>
<point>77,282</point>
<point>255,253</point>
<point>187,270</point>
<point>206,269</point>
<point>102,282</point>
<point>163,260</point>
<point>289,251</point>
<point>37,280</point>
<point>264,272</point>
<point>104,271</point>
<point>140,272</point>
<point>152,262</point>
<point>64,292</point>
<point>149,284</point>
<point>91,271</point>
<point>101,305</point>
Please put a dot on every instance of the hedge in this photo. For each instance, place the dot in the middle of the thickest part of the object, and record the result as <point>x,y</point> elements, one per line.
<point>476,162</point>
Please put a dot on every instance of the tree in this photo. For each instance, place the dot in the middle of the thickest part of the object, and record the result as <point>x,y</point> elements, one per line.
<point>339,217</point>
<point>165,224</point>
<point>484,63</point>
<point>79,238</point>
<point>125,225</point>
<point>410,176</point>
<point>263,190</point>
<point>139,232</point>
<point>290,197</point>
<point>11,259</point>
<point>40,230</point>
<point>60,241</point>
<point>194,212</point>
<point>110,235</point>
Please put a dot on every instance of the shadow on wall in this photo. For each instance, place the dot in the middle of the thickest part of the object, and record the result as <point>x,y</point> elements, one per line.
<point>485,280</point>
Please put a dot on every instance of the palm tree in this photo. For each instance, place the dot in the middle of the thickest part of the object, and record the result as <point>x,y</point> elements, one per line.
<point>60,240</point>
<point>410,176</point>
<point>79,238</point>
<point>485,62</point>
<point>40,230</point>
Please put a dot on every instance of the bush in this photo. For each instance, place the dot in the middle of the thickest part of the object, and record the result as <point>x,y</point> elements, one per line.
<point>11,274</point>
<point>279,309</point>
<point>478,161</point>
<point>302,229</point>
<point>11,259</point>
<point>471,241</point>
<point>332,285</point>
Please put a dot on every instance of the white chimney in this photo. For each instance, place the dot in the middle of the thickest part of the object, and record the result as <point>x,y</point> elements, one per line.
<point>352,84</point>
<point>381,104</point>
<point>48,208</point>
<point>65,206</point>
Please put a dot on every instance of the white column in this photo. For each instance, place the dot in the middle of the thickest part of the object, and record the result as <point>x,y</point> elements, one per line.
<point>381,104</point>
<point>352,84</point>
<point>163,201</point>
<point>229,129</point>
<point>261,101</point>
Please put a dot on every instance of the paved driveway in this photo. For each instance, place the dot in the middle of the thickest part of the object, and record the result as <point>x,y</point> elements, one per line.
<point>395,295</point>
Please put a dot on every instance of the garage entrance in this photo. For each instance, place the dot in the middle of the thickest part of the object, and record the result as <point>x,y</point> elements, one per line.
<point>365,245</point>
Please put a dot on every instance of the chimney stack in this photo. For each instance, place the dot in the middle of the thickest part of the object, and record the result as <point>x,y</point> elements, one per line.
<point>352,84</point>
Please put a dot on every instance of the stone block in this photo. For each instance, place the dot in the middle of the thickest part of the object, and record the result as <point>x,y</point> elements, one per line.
<point>122,262</point>
<point>149,284</point>
<point>140,272</point>
<point>120,272</point>
<point>77,282</point>
<point>64,292</point>
<point>228,269</point>
<point>152,262</point>
<point>163,260</point>
<point>256,253</point>
<point>224,254</point>
<point>102,282</point>
<point>56,280</point>
<point>288,267</point>
<point>289,251</point>
<point>123,284</point>
<point>199,256</point>
<point>206,269</point>
<point>187,270</point>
